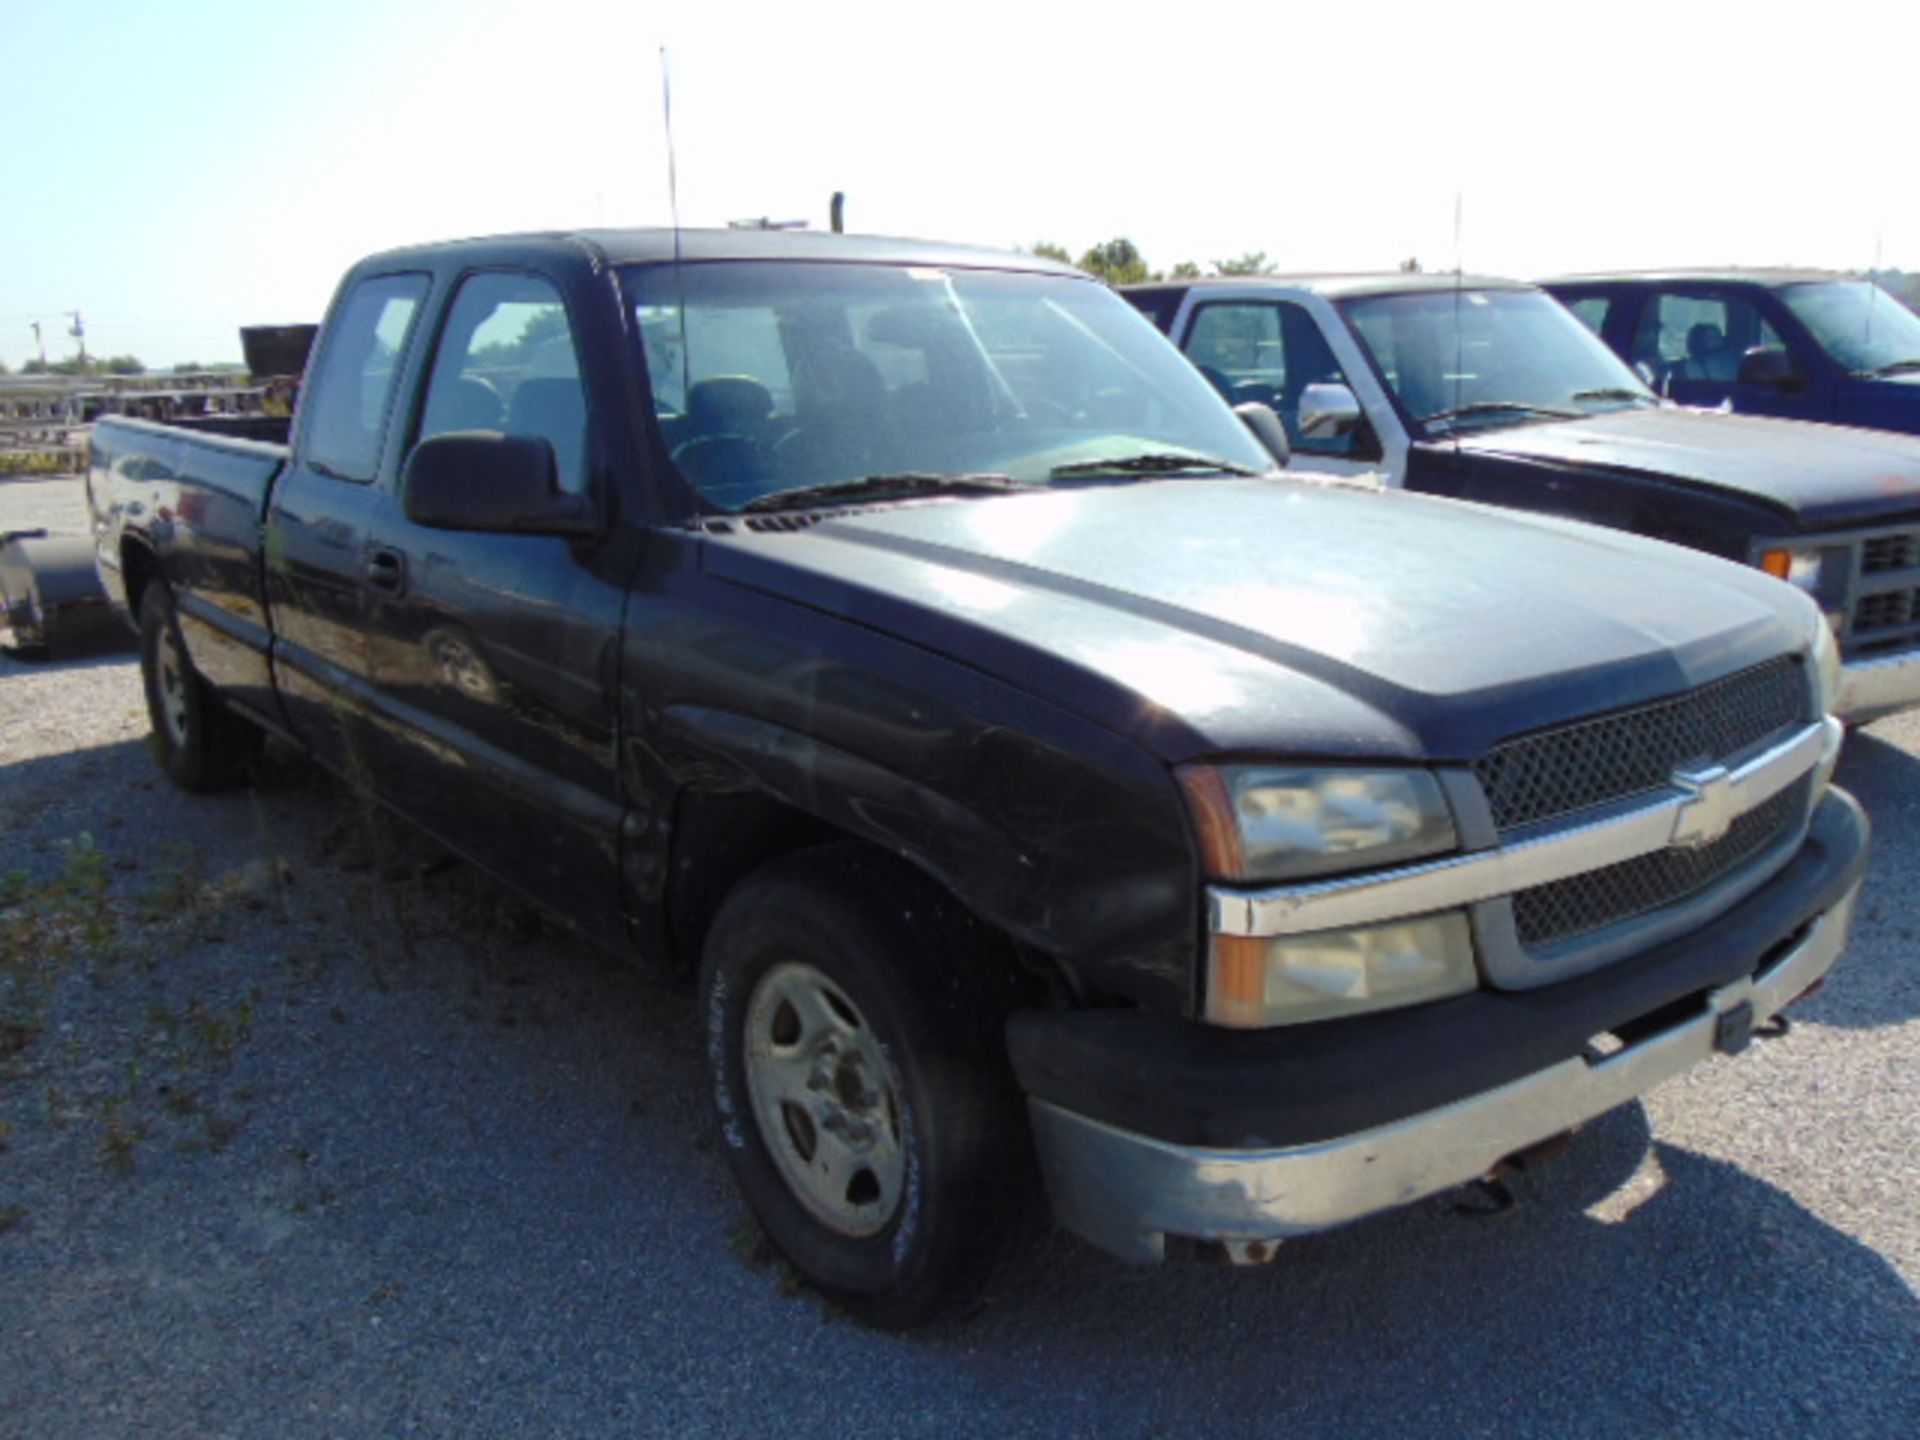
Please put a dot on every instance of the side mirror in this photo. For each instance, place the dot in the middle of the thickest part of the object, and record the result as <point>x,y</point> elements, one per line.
<point>1766,365</point>
<point>1328,412</point>
<point>1267,429</point>
<point>484,480</point>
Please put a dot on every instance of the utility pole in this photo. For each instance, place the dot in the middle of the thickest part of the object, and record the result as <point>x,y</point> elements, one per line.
<point>40,341</point>
<point>79,332</point>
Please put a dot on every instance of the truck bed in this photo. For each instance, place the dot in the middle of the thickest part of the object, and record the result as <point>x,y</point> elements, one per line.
<point>185,506</point>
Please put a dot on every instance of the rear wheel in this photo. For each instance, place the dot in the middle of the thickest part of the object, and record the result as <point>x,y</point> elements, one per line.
<point>201,744</point>
<point>854,1021</point>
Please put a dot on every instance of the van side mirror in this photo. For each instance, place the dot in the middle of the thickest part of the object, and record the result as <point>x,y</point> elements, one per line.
<point>1267,429</point>
<point>484,480</point>
<point>1766,365</point>
<point>1328,411</point>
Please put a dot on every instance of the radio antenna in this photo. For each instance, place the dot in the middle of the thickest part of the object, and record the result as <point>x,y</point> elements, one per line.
<point>673,206</point>
<point>1459,283</point>
<point>1873,283</point>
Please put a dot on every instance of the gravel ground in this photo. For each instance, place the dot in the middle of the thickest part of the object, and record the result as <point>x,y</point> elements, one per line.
<point>305,1132</point>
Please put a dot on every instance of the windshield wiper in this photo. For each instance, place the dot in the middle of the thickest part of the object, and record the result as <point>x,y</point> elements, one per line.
<point>1614,392</point>
<point>1498,407</point>
<point>875,487</point>
<point>1898,367</point>
<point>1161,463</point>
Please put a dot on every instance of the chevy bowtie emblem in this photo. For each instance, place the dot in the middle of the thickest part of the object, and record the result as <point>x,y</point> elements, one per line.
<point>1707,812</point>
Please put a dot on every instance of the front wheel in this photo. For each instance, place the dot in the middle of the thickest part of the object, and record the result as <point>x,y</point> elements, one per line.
<point>200,743</point>
<point>854,1021</point>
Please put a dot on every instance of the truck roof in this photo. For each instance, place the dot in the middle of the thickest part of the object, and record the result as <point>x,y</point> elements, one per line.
<point>652,246</point>
<point>1335,285</point>
<point>1725,275</point>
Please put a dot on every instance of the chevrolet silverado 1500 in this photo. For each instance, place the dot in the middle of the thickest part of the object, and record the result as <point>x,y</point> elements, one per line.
<point>908,642</point>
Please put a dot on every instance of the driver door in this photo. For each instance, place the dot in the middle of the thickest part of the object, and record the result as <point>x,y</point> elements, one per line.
<point>494,655</point>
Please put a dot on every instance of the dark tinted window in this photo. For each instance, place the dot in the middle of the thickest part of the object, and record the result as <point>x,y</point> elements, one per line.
<point>507,362</point>
<point>352,392</point>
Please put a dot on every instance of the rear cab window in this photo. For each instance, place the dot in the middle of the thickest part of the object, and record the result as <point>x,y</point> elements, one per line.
<point>351,397</point>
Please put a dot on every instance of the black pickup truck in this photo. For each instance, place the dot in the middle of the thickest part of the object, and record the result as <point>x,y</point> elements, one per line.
<point>908,641</point>
<point>1489,390</point>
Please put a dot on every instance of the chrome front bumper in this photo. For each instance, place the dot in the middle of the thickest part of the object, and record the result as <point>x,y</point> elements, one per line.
<point>1872,688</point>
<point>1127,1192</point>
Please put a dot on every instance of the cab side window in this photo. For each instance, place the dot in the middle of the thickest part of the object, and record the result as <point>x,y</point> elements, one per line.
<point>507,362</point>
<point>1271,351</point>
<point>1700,336</point>
<point>352,393</point>
<point>1591,311</point>
<point>1238,348</point>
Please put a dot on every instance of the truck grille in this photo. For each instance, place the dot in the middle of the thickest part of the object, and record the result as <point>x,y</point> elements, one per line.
<point>1557,772</point>
<point>1883,602</point>
<point>1890,552</point>
<point>1888,610</point>
<point>1599,898</point>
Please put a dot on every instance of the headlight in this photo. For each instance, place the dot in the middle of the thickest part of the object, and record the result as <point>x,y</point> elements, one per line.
<point>1271,822</point>
<point>1291,979</point>
<point>1827,671</point>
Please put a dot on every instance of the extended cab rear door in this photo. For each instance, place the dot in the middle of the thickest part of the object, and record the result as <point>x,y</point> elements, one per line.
<point>494,655</point>
<point>316,535</point>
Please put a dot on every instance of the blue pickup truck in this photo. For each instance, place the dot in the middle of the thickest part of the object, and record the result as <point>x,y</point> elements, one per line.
<point>1805,344</point>
<point>906,642</point>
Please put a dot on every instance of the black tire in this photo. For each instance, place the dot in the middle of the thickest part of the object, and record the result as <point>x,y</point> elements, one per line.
<point>201,744</point>
<point>930,988</point>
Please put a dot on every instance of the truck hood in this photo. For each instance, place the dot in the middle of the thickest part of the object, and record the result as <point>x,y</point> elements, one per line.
<point>1264,616</point>
<point>1821,476</point>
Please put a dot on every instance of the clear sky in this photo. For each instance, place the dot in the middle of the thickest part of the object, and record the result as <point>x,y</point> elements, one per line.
<point>177,170</point>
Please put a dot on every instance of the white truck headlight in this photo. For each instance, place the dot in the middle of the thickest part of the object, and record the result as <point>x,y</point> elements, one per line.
<point>1827,671</point>
<point>1279,822</point>
<point>1292,979</point>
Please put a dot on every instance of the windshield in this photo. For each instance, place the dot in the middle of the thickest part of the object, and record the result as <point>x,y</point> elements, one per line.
<point>1861,326</point>
<point>769,377</point>
<point>1476,358</point>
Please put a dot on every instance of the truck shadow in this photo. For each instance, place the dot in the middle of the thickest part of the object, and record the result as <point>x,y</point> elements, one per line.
<point>1700,1301</point>
<point>106,646</point>
<point>1877,981</point>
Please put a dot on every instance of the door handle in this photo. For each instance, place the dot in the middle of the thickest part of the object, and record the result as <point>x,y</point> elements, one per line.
<point>387,570</point>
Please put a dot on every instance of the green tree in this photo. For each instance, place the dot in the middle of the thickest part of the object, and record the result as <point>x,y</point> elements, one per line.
<point>1254,262</point>
<point>1185,270</point>
<point>1047,250</point>
<point>1118,262</point>
<point>122,365</point>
